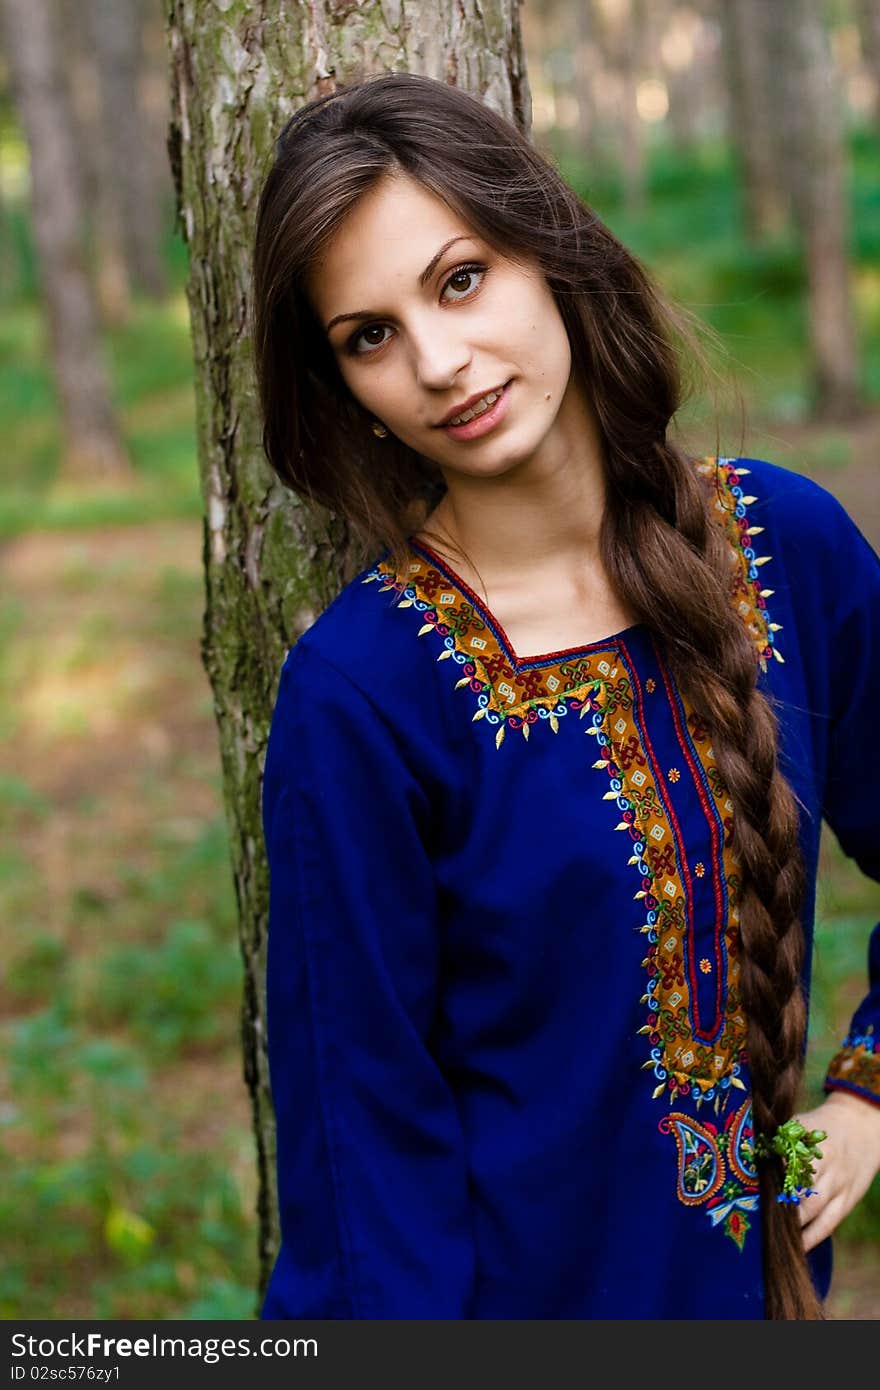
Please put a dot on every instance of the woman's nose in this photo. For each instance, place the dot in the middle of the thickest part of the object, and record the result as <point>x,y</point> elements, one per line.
<point>439,357</point>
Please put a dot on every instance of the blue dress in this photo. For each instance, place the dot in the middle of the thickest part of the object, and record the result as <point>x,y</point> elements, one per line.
<point>506,1036</point>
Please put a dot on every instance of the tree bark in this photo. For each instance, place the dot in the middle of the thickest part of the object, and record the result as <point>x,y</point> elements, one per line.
<point>868,13</point>
<point>114,31</point>
<point>619,34</point>
<point>627,44</point>
<point>99,191</point>
<point>750,124</point>
<point>586,64</point>
<point>92,444</point>
<point>239,69</point>
<point>813,163</point>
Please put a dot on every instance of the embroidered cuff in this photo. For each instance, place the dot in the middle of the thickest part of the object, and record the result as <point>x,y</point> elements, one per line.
<point>856,1067</point>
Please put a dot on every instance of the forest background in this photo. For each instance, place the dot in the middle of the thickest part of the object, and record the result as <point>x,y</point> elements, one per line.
<point>126,1140</point>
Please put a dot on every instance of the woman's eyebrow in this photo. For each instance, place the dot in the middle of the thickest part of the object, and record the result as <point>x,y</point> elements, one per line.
<point>423,280</point>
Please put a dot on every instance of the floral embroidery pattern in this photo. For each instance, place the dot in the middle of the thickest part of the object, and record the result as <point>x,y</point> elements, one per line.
<point>509,696</point>
<point>856,1066</point>
<point>518,695</point>
<point>689,1055</point>
<point>716,1168</point>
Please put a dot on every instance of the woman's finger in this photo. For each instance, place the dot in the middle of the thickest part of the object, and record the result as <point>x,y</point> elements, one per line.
<point>828,1219</point>
<point>826,1186</point>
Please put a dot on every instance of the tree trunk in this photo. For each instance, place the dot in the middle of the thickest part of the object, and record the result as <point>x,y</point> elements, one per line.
<point>751,118</point>
<point>618,34</point>
<point>869,33</point>
<point>92,446</point>
<point>155,110</point>
<point>99,191</point>
<point>681,35</point>
<point>586,65</point>
<point>238,72</point>
<point>813,162</point>
<point>630,40</point>
<point>114,30</point>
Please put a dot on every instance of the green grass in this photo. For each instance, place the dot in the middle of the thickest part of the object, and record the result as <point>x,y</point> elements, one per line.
<point>97,1047</point>
<point>150,367</point>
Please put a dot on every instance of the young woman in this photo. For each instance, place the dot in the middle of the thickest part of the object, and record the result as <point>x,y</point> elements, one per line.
<point>545,781</point>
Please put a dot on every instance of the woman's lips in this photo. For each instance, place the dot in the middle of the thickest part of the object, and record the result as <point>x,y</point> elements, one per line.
<point>481,424</point>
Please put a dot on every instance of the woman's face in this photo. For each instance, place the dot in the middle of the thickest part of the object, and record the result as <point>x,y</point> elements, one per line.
<point>422,316</point>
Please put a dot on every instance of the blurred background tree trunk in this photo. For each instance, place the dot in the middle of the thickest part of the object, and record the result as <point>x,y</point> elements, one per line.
<point>103,211</point>
<point>675,33</point>
<point>869,33</point>
<point>113,29</point>
<point>587,62</point>
<point>110,67</point>
<point>811,162</point>
<point>750,79</point>
<point>619,27</point>
<point>92,444</point>
<point>238,72</point>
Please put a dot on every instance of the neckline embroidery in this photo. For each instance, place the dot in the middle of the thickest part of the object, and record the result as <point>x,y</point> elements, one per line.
<point>517,663</point>
<point>517,692</point>
<point>507,696</point>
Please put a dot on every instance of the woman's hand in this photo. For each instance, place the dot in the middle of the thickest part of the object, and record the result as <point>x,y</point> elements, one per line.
<point>850,1159</point>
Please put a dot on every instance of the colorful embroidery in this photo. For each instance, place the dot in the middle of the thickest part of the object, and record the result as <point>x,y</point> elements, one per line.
<point>695,1027</point>
<point>519,694</point>
<point>717,1167</point>
<point>689,1054</point>
<point>856,1066</point>
<point>749,598</point>
<point>508,695</point>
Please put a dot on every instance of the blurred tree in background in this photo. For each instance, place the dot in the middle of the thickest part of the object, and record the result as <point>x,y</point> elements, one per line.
<point>735,145</point>
<point>92,442</point>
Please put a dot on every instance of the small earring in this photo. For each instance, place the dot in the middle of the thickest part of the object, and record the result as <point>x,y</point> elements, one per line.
<point>379,429</point>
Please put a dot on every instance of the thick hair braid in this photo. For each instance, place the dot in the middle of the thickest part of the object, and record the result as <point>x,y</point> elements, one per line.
<point>673,564</point>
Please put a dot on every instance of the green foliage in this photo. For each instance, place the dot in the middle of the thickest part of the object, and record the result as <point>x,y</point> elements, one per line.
<point>222,1299</point>
<point>149,1218</point>
<point>690,235</point>
<point>39,972</point>
<point>773,270</point>
<point>171,995</point>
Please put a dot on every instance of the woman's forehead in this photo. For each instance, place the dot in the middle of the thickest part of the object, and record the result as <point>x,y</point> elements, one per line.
<point>397,226</point>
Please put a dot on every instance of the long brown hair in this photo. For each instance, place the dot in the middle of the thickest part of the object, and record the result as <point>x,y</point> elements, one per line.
<point>663,554</point>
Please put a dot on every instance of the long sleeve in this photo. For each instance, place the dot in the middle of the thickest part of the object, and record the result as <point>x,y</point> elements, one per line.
<point>372,1173</point>
<point>852,803</point>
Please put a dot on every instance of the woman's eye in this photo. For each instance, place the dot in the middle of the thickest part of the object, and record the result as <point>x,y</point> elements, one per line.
<point>461,281</point>
<point>466,273</point>
<point>373,343</point>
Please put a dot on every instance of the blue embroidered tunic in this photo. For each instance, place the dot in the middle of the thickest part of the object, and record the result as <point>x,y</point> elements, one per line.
<point>506,1036</point>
